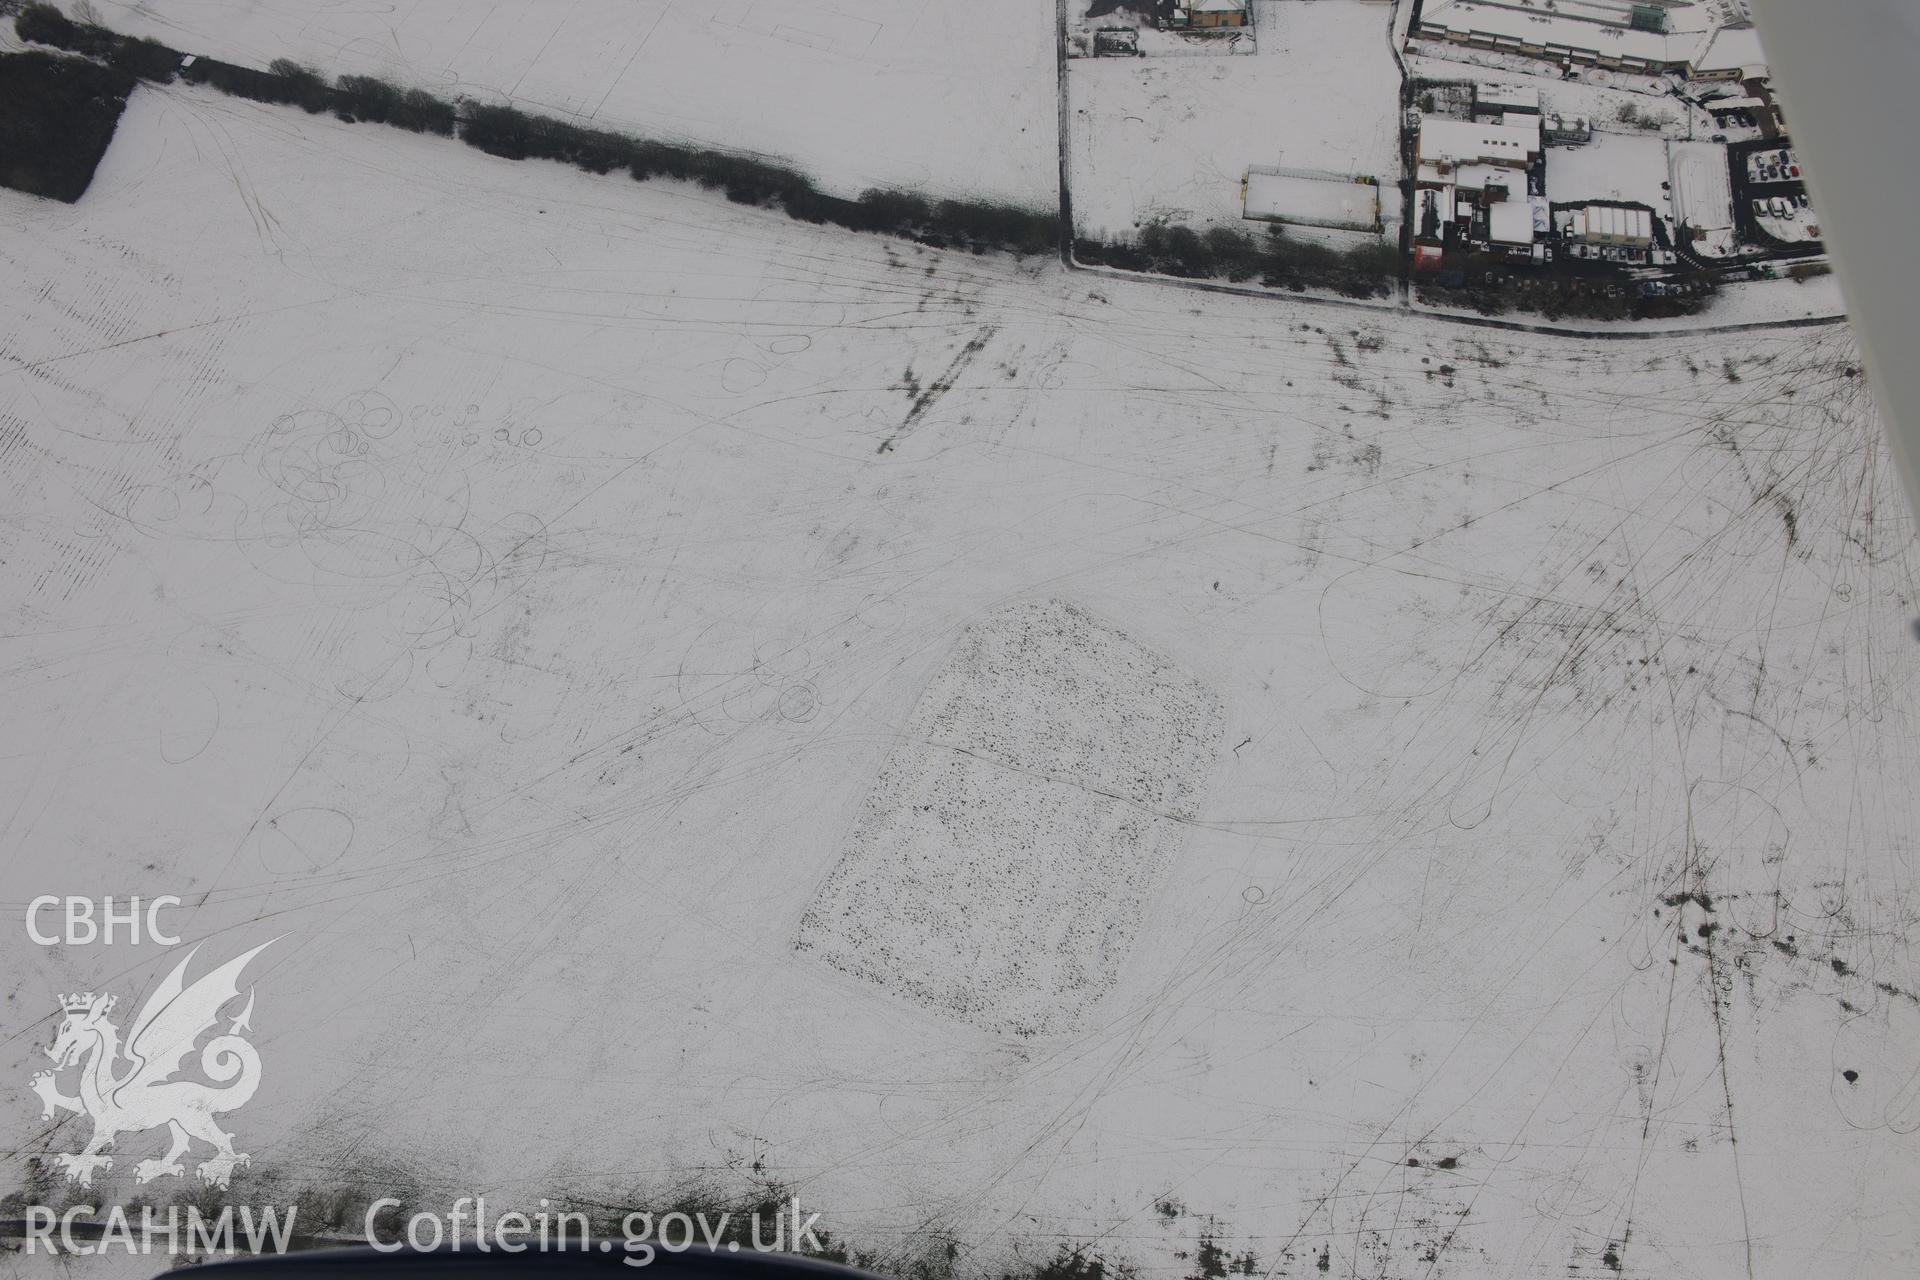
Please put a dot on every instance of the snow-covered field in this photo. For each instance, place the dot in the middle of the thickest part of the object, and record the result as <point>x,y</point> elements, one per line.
<point>507,587</point>
<point>1166,138</point>
<point>998,869</point>
<point>860,93</point>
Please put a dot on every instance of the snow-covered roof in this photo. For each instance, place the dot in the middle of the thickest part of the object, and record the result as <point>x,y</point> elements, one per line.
<point>1478,177</point>
<point>1606,222</point>
<point>1510,222</point>
<point>1511,97</point>
<point>1730,49</point>
<point>1217,6</point>
<point>1512,142</point>
<point>1313,200</point>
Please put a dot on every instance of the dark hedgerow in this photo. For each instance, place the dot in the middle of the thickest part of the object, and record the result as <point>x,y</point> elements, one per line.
<point>1365,271</point>
<point>365,98</point>
<point>1555,297</point>
<point>515,135</point>
<point>302,85</point>
<point>57,115</point>
<point>978,225</point>
<point>44,24</point>
<point>288,82</point>
<point>508,132</point>
<point>147,59</point>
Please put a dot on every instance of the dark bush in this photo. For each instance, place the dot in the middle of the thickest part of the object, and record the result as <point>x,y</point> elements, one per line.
<point>984,225</point>
<point>57,115</point>
<point>148,59</point>
<point>302,85</point>
<point>594,150</point>
<point>44,24</point>
<point>662,159</point>
<point>747,180</point>
<point>1223,251</point>
<point>515,135</point>
<point>1234,252</point>
<point>303,88</point>
<point>366,98</point>
<point>899,212</point>
<point>498,131</point>
<point>1186,253</point>
<point>817,207</point>
<point>1610,296</point>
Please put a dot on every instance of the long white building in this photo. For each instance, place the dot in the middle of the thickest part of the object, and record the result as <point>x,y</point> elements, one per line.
<point>1703,39</point>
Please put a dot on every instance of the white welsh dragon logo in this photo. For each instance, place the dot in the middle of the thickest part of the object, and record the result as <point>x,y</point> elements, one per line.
<point>142,1095</point>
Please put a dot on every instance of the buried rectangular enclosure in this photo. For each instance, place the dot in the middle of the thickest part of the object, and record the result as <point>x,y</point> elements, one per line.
<point>1000,864</point>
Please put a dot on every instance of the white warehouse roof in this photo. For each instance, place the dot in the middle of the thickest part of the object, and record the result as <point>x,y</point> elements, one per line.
<point>1510,222</point>
<point>1476,141</point>
<point>1605,222</point>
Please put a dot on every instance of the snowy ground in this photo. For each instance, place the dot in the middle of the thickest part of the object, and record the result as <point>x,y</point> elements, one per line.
<point>1171,138</point>
<point>1627,104</point>
<point>998,868</point>
<point>1800,226</point>
<point>953,99</point>
<point>491,579</point>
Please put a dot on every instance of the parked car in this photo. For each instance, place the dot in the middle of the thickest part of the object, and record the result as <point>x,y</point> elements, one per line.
<point>1759,208</point>
<point>1800,198</point>
<point>1780,208</point>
